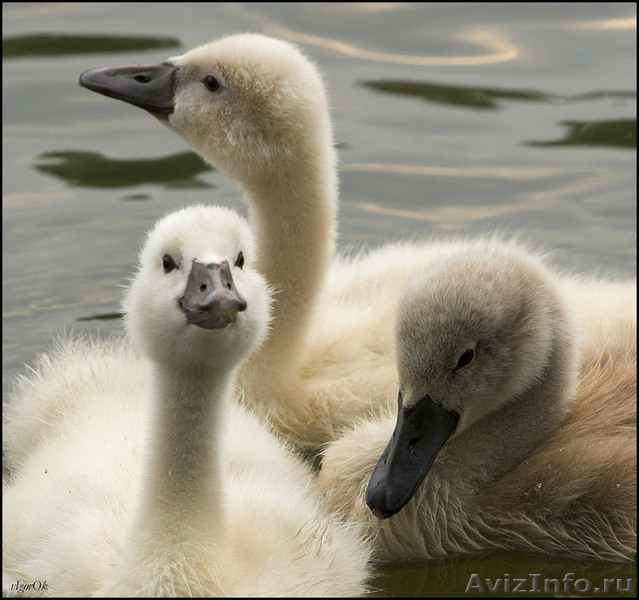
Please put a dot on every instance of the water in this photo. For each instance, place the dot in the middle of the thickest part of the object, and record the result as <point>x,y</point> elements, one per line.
<point>449,118</point>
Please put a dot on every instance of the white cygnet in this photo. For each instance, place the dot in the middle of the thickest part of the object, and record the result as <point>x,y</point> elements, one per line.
<point>140,476</point>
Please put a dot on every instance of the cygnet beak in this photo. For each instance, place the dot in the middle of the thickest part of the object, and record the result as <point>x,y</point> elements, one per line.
<point>420,432</point>
<point>210,299</point>
<point>150,87</point>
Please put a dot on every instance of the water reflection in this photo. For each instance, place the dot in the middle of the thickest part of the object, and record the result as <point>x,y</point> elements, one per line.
<point>607,24</point>
<point>480,97</point>
<point>112,316</point>
<point>59,44</point>
<point>473,574</point>
<point>493,47</point>
<point>93,169</point>
<point>620,133</point>
<point>454,95</point>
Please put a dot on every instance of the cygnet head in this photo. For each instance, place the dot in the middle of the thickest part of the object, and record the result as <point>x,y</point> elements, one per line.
<point>476,332</point>
<point>195,298</point>
<point>249,104</point>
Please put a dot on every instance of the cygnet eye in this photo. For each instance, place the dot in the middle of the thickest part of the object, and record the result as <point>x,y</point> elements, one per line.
<point>465,358</point>
<point>239,261</point>
<point>212,84</point>
<point>168,264</point>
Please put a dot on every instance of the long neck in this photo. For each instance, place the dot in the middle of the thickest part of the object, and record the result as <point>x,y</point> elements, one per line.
<point>183,485</point>
<point>293,214</point>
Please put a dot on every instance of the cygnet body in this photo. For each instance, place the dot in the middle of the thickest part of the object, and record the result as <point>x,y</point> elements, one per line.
<point>256,108</point>
<point>507,435</point>
<point>139,476</point>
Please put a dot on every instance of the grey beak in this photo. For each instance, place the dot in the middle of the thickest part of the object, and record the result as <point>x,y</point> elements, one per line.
<point>150,87</point>
<point>210,299</point>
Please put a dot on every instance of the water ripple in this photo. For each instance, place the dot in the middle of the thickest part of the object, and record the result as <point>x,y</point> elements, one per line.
<point>61,44</point>
<point>483,97</point>
<point>496,47</point>
<point>93,169</point>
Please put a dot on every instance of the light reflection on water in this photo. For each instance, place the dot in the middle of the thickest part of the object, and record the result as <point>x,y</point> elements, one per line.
<point>497,46</point>
<point>449,118</point>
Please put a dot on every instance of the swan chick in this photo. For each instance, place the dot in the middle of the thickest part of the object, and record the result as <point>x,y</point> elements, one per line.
<point>492,390</point>
<point>189,494</point>
<point>477,334</point>
<point>256,108</point>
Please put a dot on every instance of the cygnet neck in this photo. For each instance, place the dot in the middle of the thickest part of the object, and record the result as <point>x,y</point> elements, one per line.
<point>501,439</point>
<point>293,216</point>
<point>183,488</point>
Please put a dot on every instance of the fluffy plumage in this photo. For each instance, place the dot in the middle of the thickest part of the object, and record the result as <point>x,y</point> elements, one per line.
<point>256,108</point>
<point>136,475</point>
<point>544,455</point>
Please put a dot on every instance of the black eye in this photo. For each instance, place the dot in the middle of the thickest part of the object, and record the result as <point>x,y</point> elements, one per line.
<point>465,358</point>
<point>168,264</point>
<point>239,261</point>
<point>211,83</point>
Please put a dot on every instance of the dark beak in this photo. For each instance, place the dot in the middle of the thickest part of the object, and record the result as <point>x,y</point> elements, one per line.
<point>420,432</point>
<point>210,299</point>
<point>150,87</point>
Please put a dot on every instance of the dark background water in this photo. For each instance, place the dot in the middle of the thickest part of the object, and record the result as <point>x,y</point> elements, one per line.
<point>449,118</point>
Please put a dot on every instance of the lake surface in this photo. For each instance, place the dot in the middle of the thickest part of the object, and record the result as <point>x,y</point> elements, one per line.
<point>450,118</point>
